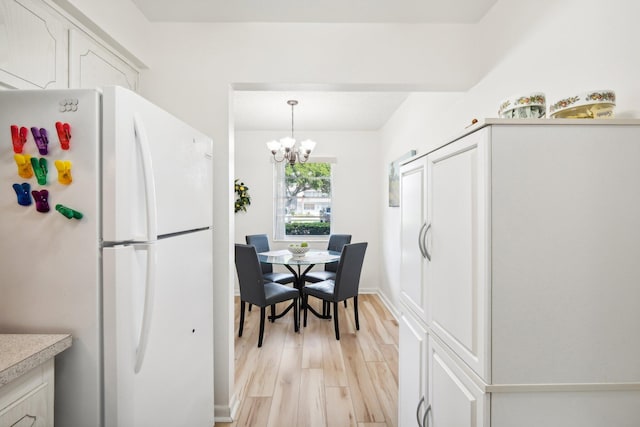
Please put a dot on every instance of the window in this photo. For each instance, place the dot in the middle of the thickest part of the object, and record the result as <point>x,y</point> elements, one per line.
<point>302,200</point>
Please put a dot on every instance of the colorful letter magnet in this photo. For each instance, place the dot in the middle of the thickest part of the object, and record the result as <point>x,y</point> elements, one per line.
<point>64,171</point>
<point>22,191</point>
<point>42,200</point>
<point>40,168</point>
<point>18,137</point>
<point>68,212</point>
<point>64,134</point>
<point>23,161</point>
<point>42,141</point>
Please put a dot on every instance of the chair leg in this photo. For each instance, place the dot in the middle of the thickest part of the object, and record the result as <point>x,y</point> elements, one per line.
<point>355,309</point>
<point>326,310</point>
<point>262,315</point>
<point>242,304</point>
<point>250,307</point>
<point>345,303</point>
<point>305,301</point>
<point>296,316</point>
<point>273,313</point>
<point>335,320</point>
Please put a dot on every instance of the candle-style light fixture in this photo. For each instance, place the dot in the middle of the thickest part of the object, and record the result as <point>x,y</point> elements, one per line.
<point>287,149</point>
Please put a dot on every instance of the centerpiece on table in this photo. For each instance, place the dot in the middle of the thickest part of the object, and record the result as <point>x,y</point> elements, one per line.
<point>298,250</point>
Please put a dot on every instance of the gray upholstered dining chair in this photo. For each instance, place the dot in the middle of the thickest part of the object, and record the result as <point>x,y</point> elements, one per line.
<point>345,285</point>
<point>261,243</point>
<point>336,243</point>
<point>254,290</point>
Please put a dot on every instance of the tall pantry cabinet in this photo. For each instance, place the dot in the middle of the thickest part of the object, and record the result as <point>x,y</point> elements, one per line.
<point>520,277</point>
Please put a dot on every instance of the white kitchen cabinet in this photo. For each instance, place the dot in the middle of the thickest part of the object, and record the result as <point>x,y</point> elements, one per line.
<point>41,47</point>
<point>413,217</point>
<point>412,371</point>
<point>91,65</point>
<point>454,399</point>
<point>531,294</point>
<point>458,243</point>
<point>28,400</point>
<point>33,46</point>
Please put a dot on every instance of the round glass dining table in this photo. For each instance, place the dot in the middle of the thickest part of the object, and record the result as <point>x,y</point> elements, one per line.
<point>309,260</point>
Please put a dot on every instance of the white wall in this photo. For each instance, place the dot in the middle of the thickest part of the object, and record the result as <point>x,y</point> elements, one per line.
<point>575,46</point>
<point>356,199</point>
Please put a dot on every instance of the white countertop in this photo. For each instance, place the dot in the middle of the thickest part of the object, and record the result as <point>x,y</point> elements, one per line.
<point>20,353</point>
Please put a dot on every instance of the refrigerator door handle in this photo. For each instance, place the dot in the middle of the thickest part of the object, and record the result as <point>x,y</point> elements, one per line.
<point>152,235</point>
<point>147,311</point>
<point>149,179</point>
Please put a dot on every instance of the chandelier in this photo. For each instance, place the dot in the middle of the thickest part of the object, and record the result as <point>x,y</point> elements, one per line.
<point>287,149</point>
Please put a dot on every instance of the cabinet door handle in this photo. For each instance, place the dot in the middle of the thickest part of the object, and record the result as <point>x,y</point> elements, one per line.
<point>425,418</point>
<point>424,243</point>
<point>421,240</point>
<point>418,412</point>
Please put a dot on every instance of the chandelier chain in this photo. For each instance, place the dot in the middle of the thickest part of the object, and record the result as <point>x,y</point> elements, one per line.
<point>293,103</point>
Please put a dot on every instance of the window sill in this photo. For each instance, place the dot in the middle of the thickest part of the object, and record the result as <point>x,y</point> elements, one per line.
<point>310,239</point>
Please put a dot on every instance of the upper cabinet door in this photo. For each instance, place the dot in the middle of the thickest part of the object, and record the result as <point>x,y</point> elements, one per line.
<point>91,65</point>
<point>413,224</point>
<point>458,244</point>
<point>33,46</point>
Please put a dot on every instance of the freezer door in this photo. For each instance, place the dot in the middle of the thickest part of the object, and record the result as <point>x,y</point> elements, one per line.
<point>157,170</point>
<point>173,385</point>
<point>50,264</point>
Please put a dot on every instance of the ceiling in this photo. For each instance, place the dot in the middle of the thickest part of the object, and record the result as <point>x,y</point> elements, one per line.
<point>331,110</point>
<point>339,11</point>
<point>317,110</point>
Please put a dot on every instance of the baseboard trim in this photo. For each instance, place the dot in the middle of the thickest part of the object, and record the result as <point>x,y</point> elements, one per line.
<point>387,302</point>
<point>226,414</point>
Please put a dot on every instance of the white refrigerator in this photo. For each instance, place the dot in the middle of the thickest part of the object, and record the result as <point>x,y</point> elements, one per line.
<point>106,234</point>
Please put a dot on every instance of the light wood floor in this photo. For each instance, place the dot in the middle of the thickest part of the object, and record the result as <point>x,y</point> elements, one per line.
<point>310,379</point>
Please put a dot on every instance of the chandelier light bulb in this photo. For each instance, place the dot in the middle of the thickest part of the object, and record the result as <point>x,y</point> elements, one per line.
<point>273,146</point>
<point>307,145</point>
<point>287,143</point>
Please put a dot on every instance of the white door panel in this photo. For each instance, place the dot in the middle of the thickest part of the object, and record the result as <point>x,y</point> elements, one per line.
<point>92,65</point>
<point>454,399</point>
<point>413,218</point>
<point>181,160</point>
<point>180,343</point>
<point>458,241</point>
<point>33,53</point>
<point>412,371</point>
